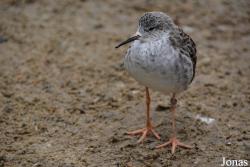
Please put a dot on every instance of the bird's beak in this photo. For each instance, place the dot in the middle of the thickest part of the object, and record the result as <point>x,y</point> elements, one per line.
<point>131,39</point>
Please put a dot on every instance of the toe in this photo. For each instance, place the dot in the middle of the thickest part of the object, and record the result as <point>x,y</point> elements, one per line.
<point>163,145</point>
<point>156,134</point>
<point>184,145</point>
<point>174,144</point>
<point>135,132</point>
<point>143,136</point>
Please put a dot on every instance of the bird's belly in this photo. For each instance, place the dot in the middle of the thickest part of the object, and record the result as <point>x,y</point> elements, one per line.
<point>164,77</point>
<point>154,81</point>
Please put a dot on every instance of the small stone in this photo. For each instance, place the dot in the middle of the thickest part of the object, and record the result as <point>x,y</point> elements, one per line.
<point>162,108</point>
<point>7,94</point>
<point>98,26</point>
<point>114,140</point>
<point>7,109</point>
<point>235,104</point>
<point>3,39</point>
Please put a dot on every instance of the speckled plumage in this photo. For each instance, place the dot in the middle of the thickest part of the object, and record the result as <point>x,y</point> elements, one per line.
<point>164,57</point>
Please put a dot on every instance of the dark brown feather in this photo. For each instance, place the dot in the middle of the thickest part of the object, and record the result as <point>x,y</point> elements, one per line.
<point>182,41</point>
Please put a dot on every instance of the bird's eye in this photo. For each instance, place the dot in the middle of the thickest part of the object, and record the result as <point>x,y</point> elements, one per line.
<point>151,28</point>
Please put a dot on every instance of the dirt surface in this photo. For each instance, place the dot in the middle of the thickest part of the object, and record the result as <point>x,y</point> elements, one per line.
<point>66,101</point>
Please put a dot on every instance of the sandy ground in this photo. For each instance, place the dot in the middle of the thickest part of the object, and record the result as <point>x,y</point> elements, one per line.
<point>66,101</point>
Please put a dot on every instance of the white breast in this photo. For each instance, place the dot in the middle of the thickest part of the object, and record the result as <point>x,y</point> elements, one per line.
<point>157,65</point>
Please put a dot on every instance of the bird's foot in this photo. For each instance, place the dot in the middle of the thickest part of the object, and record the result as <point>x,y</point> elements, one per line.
<point>174,142</point>
<point>144,132</point>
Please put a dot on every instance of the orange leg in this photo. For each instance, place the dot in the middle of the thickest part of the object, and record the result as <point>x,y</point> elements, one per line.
<point>173,141</point>
<point>149,127</point>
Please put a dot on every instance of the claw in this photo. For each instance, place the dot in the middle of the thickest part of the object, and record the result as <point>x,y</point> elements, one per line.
<point>144,132</point>
<point>175,142</point>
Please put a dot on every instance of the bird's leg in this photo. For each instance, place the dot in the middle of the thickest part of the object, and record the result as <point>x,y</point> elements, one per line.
<point>173,140</point>
<point>149,127</point>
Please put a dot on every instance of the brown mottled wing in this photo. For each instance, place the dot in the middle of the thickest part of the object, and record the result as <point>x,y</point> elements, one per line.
<point>180,40</point>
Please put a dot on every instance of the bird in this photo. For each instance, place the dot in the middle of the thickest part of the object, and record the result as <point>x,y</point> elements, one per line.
<point>161,57</point>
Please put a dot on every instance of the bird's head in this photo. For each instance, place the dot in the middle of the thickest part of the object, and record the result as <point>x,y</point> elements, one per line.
<point>151,24</point>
